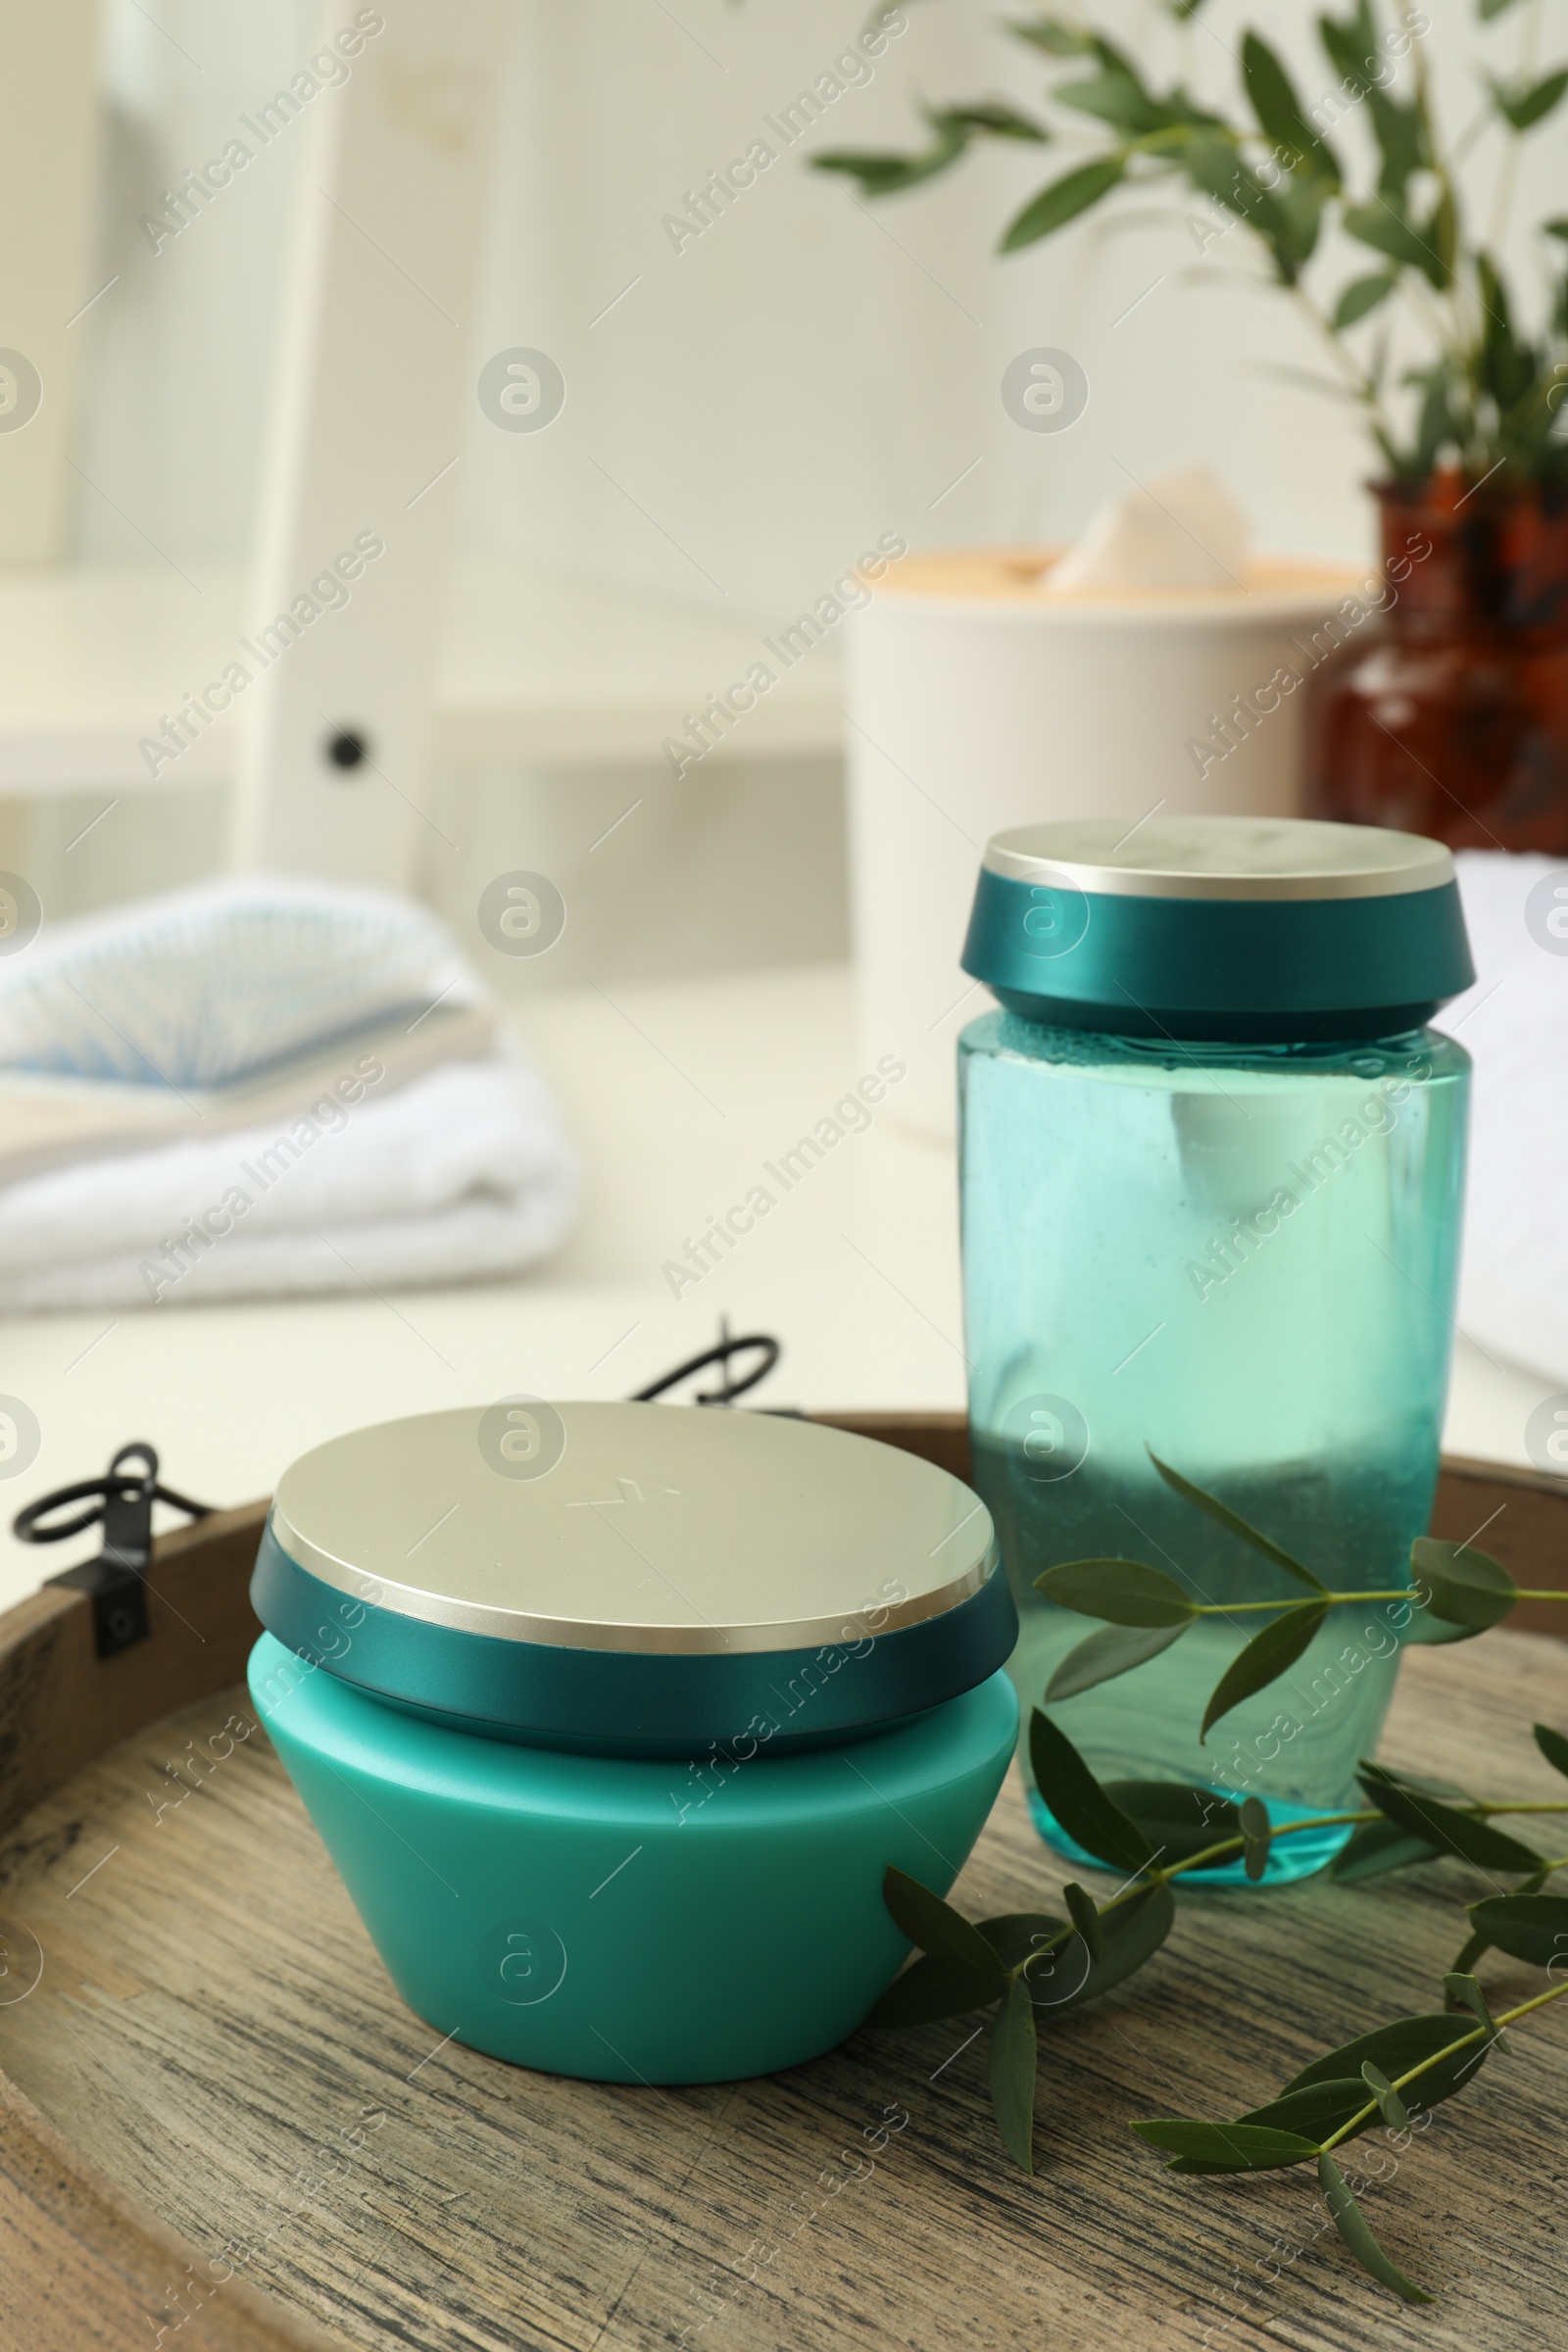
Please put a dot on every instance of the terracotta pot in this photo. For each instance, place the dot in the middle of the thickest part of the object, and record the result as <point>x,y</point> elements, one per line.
<point>1448,716</point>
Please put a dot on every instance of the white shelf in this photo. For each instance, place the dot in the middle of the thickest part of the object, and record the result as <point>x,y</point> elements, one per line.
<point>533,670</point>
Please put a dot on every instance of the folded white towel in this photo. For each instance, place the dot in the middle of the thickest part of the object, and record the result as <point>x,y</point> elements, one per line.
<point>211,985</point>
<point>460,1172</point>
<point>1513,1286</point>
<point>230,1093</point>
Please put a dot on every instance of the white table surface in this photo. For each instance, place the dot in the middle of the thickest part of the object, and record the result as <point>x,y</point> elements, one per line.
<point>675,1094</point>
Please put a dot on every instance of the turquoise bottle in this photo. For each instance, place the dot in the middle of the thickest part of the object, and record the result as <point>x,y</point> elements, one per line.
<point>1212,1159</point>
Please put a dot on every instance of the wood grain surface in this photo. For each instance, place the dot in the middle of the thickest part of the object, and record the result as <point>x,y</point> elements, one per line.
<point>219,2122</point>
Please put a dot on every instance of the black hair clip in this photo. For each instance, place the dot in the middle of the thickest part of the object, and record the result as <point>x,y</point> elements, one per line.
<point>123,1504</point>
<point>728,1347</point>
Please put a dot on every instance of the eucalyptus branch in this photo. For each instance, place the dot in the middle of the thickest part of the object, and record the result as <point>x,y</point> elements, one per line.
<point>1027,1969</point>
<point>1280,2134</point>
<point>1455,1593</point>
<point>1279,174</point>
<point>1414,2074</point>
<point>1235,1849</point>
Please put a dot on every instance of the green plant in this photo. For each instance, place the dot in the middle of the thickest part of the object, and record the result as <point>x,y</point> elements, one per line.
<point>1027,1969</point>
<point>1482,391</point>
<point>1456,1592</point>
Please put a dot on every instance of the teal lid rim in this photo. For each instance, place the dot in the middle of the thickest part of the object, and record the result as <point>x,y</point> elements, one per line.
<point>1238,970</point>
<point>628,1702</point>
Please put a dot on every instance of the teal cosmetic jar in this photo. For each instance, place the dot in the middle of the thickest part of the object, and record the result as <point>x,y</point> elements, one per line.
<point>1211,1168</point>
<point>612,1716</point>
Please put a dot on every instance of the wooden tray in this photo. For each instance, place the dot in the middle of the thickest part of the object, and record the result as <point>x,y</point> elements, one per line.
<point>219,2124</point>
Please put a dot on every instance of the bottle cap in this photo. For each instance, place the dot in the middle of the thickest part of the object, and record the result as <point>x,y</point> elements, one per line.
<point>1233,928</point>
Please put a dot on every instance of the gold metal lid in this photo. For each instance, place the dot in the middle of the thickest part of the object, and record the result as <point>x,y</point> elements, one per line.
<point>635,1527</point>
<point>1220,858</point>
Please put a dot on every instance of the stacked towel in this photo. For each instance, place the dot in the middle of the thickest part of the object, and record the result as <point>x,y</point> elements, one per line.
<point>262,1088</point>
<point>1513,1286</point>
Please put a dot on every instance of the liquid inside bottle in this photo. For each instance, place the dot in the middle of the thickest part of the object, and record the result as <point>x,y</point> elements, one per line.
<point>1240,1261</point>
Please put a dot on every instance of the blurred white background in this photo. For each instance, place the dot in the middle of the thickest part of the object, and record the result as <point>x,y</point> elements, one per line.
<point>753,410</point>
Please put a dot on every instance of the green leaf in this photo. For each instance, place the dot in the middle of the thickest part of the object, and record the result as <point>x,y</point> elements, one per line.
<point>1440,233</point>
<point>1013,1935</point>
<point>1462,1833</point>
<point>1212,163</point>
<point>1114,1650</point>
<point>991,118</point>
<point>1390,2106</point>
<point>1258,1830</point>
<point>1078,1801</point>
<point>1533,1928</point>
<point>1311,2113</point>
<point>1361,295</point>
<point>1401,138</point>
<point>1397,2047</point>
<point>1226,2148</point>
<point>1177,1820</point>
<point>1525,104</point>
<point>1129,1938</point>
<point>1348,43</point>
<point>1553,1747</point>
<point>1425,1632</point>
<point>1122,99</point>
<point>1470,1951</point>
<point>1067,1978</point>
<point>1279,111</point>
<point>1063,201</point>
<point>1435,427</point>
<point>1122,1591</point>
<point>1085,1917</point>
<point>936,1927</point>
<point>1302,201</point>
<point>1388,231</point>
<point>1117,95</point>
<point>1378,1846</point>
<point>1507,367</point>
<point>929,1990</point>
<point>1425,1786</point>
<point>1352,2223</point>
<point>1556,228</point>
<point>1013,2074</point>
<point>1463,1990</point>
<point>1225,1517</point>
<point>1018,1936</point>
<point>1493,8</point>
<point>1053,36</point>
<point>1267,1656</point>
<point>884,173</point>
<point>1118,99</point>
<point>1459,1586</point>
